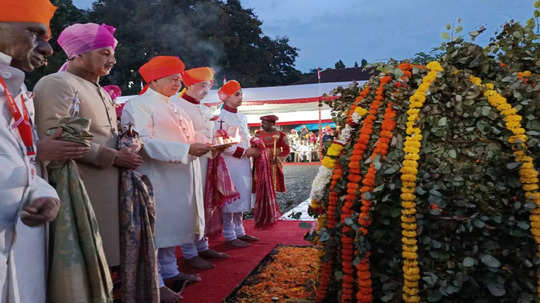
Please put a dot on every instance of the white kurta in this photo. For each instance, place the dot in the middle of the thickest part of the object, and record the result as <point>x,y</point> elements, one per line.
<point>20,271</point>
<point>239,168</point>
<point>166,131</point>
<point>201,116</point>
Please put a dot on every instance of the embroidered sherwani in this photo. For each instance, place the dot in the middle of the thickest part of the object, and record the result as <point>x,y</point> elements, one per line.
<point>53,95</point>
<point>166,131</point>
<point>22,248</point>
<point>238,165</point>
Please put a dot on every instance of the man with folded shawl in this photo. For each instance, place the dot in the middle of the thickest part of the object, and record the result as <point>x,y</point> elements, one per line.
<point>171,161</point>
<point>238,163</point>
<point>90,55</point>
<point>27,201</point>
<point>199,81</point>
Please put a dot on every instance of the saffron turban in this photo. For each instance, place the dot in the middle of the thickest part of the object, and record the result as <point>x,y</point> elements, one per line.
<point>160,67</point>
<point>271,118</point>
<point>38,11</point>
<point>198,74</point>
<point>78,39</point>
<point>228,89</point>
<point>113,90</point>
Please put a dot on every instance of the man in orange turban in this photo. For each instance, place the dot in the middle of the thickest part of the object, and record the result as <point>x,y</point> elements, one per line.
<point>199,81</point>
<point>171,161</point>
<point>238,162</point>
<point>28,201</point>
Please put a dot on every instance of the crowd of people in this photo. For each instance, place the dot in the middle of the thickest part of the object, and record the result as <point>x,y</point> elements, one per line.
<point>88,187</point>
<point>306,145</point>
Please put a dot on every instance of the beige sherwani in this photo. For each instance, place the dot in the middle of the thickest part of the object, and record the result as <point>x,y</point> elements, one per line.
<point>166,131</point>
<point>53,95</point>
<point>22,248</point>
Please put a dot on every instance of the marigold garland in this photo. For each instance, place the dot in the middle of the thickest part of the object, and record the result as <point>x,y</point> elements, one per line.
<point>355,108</point>
<point>365,290</point>
<point>528,175</point>
<point>326,270</point>
<point>411,271</point>
<point>354,176</point>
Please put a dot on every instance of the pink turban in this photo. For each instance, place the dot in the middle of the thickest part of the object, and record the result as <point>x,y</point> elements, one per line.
<point>78,39</point>
<point>113,90</point>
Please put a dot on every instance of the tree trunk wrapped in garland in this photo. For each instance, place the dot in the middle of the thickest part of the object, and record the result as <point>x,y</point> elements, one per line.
<point>447,210</point>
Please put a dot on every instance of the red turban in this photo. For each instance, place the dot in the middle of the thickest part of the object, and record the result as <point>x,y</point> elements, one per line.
<point>160,67</point>
<point>198,74</point>
<point>228,89</point>
<point>271,118</point>
<point>39,11</point>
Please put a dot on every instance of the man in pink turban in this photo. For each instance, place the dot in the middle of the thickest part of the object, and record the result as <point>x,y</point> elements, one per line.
<point>90,50</point>
<point>79,39</point>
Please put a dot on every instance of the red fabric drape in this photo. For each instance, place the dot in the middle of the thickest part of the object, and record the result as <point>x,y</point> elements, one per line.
<point>219,189</point>
<point>266,209</point>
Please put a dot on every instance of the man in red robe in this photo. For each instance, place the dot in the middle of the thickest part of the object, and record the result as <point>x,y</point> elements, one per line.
<point>277,149</point>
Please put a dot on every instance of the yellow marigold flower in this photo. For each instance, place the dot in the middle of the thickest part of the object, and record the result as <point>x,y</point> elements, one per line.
<point>434,66</point>
<point>530,187</point>
<point>490,85</point>
<point>410,163</point>
<point>409,255</point>
<point>514,139</point>
<point>408,204</point>
<point>412,290</point>
<point>334,149</point>
<point>408,219</point>
<point>411,270</point>
<point>410,284</point>
<point>417,100</point>
<point>409,211</point>
<point>408,197</point>
<point>328,162</point>
<point>526,73</point>
<point>409,233</point>
<point>411,157</point>
<point>361,111</point>
<point>408,177</point>
<point>476,80</point>
<point>413,150</point>
<point>409,183</point>
<point>409,170</point>
<point>413,299</point>
<point>507,112</point>
<point>408,226</point>
<point>408,241</point>
<point>528,180</point>
<point>407,189</point>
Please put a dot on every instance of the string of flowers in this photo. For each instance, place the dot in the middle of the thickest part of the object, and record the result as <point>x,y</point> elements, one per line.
<point>326,270</point>
<point>411,270</point>
<point>365,291</point>
<point>528,175</point>
<point>354,178</point>
<point>355,112</point>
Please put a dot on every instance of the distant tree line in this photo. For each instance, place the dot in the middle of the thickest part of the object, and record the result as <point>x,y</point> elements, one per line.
<point>213,33</point>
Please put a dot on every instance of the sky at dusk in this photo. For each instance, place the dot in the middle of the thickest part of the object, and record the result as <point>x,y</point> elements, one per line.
<point>352,30</point>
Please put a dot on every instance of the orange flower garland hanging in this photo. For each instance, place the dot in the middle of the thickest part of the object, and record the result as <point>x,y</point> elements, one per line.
<point>326,269</point>
<point>352,188</point>
<point>365,291</point>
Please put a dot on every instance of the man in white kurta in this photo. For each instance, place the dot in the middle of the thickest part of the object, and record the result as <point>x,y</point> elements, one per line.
<point>24,196</point>
<point>198,82</point>
<point>171,163</point>
<point>238,163</point>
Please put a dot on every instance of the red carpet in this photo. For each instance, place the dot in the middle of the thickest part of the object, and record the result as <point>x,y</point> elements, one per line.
<point>219,282</point>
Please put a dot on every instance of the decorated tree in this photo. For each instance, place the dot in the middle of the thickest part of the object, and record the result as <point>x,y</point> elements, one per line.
<point>430,191</point>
